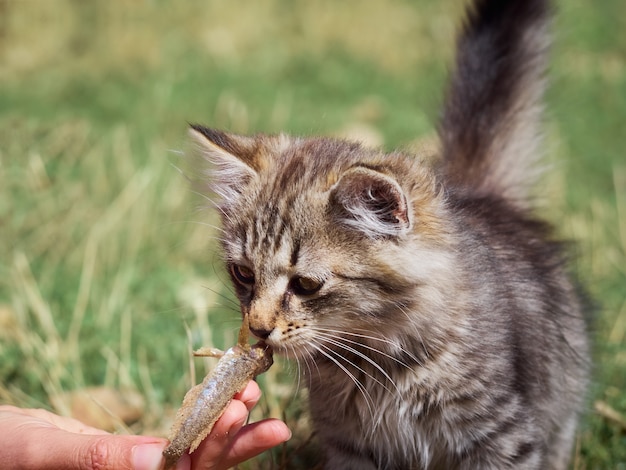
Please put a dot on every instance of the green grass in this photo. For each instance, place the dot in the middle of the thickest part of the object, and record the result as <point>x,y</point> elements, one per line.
<point>107,268</point>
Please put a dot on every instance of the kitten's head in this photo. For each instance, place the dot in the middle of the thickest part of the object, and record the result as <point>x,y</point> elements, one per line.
<point>327,241</point>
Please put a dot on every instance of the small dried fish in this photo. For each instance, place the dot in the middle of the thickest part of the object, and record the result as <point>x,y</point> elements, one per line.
<point>205,403</point>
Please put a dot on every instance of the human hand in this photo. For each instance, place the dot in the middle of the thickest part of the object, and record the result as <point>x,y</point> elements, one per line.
<point>37,439</point>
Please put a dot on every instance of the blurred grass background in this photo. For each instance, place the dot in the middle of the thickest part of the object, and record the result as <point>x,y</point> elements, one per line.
<point>109,272</point>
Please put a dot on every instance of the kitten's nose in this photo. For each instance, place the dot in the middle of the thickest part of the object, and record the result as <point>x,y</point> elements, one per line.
<point>260,333</point>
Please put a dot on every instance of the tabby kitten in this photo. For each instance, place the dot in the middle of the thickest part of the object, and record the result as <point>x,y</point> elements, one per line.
<point>429,310</point>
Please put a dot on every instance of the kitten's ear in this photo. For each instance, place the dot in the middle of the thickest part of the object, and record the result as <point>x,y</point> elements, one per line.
<point>371,202</point>
<point>227,162</point>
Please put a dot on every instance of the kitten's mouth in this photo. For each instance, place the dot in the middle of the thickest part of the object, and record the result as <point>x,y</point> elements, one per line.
<point>277,338</point>
<point>291,348</point>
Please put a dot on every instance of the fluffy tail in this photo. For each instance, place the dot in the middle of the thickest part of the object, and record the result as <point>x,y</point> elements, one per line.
<point>489,129</point>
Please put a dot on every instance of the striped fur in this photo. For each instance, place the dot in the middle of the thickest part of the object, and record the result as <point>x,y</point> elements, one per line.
<point>429,311</point>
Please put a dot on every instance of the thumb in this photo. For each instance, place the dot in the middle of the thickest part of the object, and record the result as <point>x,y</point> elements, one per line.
<point>119,452</point>
<point>58,449</point>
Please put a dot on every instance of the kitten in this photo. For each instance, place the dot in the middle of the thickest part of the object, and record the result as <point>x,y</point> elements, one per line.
<point>430,311</point>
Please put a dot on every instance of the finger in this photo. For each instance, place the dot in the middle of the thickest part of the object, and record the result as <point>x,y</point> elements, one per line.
<point>214,448</point>
<point>30,446</point>
<point>107,453</point>
<point>254,439</point>
<point>250,395</point>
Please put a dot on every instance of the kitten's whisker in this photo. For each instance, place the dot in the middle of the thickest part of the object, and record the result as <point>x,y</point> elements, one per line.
<point>206,224</point>
<point>224,297</point>
<point>307,362</point>
<point>311,360</point>
<point>332,340</point>
<point>205,197</point>
<point>299,369</point>
<point>198,222</point>
<point>368,347</point>
<point>214,204</point>
<point>329,354</point>
<point>382,340</point>
<point>314,362</point>
<point>226,307</point>
<point>408,316</point>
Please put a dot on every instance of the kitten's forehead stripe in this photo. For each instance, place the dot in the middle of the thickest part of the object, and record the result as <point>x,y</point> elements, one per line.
<point>290,176</point>
<point>270,225</point>
<point>270,228</point>
<point>280,236</point>
<point>295,253</point>
<point>242,232</point>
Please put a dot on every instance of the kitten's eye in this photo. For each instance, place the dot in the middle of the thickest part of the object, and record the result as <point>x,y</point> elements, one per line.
<point>242,274</point>
<point>305,285</point>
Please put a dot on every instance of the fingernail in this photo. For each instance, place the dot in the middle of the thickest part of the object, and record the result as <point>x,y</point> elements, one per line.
<point>148,456</point>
